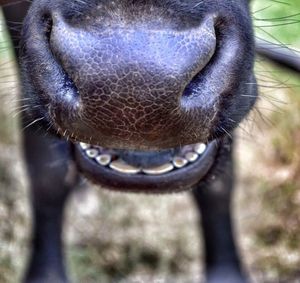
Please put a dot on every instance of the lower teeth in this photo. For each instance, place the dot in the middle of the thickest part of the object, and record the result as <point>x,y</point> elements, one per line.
<point>104,159</point>
<point>179,162</point>
<point>123,167</point>
<point>92,153</point>
<point>162,169</point>
<point>119,165</point>
<point>191,156</point>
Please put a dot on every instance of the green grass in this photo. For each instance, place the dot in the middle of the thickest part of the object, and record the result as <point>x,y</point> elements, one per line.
<point>277,20</point>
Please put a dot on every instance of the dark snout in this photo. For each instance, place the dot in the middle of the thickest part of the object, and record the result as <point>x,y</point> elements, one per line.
<point>129,83</point>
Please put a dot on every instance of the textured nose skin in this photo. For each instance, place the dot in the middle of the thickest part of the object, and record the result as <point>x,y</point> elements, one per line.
<point>130,81</point>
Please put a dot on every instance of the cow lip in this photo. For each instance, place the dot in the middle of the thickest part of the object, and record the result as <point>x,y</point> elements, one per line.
<point>109,171</point>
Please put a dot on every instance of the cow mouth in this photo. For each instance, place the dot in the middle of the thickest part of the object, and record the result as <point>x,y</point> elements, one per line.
<point>170,170</point>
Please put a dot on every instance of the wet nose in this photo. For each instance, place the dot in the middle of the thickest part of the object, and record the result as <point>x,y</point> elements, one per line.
<point>131,81</point>
<point>133,63</point>
<point>122,82</point>
<point>138,74</point>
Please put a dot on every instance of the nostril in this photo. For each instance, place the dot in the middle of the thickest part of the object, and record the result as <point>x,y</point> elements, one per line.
<point>193,92</point>
<point>47,24</point>
<point>47,69</point>
<point>69,93</point>
<point>194,88</point>
<point>195,83</point>
<point>209,86</point>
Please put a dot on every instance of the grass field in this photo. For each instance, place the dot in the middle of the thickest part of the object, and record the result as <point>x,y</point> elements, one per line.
<point>112,237</point>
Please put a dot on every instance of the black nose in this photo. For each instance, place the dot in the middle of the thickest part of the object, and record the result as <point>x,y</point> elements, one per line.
<point>117,64</point>
<point>129,77</point>
<point>130,80</point>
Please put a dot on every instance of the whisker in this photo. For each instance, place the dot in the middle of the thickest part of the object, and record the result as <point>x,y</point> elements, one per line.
<point>33,122</point>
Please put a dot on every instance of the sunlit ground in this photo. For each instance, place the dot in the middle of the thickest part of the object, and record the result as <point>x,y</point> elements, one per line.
<point>112,237</point>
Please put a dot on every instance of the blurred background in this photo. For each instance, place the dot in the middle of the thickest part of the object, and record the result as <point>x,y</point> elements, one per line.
<point>112,237</point>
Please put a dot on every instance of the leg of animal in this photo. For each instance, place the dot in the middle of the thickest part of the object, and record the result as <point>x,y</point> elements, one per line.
<point>52,176</point>
<point>213,198</point>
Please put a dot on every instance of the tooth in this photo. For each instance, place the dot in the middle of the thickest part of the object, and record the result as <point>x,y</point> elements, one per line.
<point>84,145</point>
<point>191,156</point>
<point>123,167</point>
<point>92,152</point>
<point>179,162</point>
<point>103,159</point>
<point>200,148</point>
<point>165,168</point>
